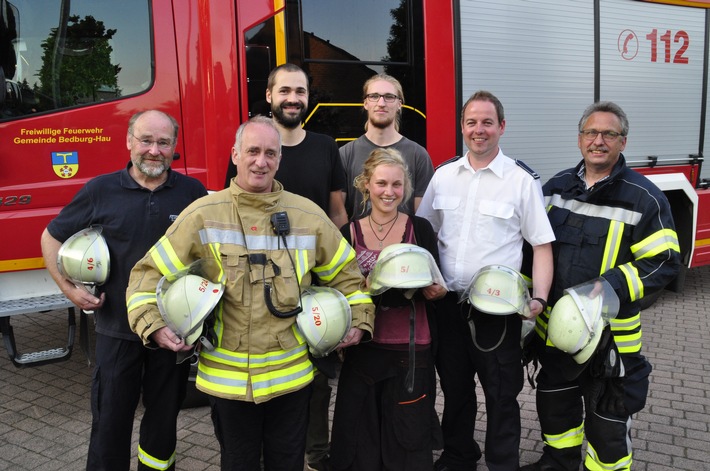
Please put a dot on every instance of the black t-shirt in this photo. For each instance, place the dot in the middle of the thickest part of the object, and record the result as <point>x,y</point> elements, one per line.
<point>132,218</point>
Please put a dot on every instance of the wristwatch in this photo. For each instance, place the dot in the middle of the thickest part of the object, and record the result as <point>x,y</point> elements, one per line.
<point>541,301</point>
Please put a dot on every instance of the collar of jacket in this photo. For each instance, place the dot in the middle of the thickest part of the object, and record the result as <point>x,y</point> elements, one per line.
<point>260,201</point>
<point>576,185</point>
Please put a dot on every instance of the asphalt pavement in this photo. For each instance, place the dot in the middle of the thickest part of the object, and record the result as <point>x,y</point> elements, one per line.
<point>45,415</point>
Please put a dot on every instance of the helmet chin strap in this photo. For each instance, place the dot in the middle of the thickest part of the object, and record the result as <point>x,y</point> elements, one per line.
<point>409,380</point>
<point>472,327</point>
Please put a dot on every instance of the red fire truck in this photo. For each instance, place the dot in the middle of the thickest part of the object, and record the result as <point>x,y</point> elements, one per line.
<point>73,71</point>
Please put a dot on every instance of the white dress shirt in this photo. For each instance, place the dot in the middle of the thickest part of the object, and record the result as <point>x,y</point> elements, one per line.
<point>482,217</point>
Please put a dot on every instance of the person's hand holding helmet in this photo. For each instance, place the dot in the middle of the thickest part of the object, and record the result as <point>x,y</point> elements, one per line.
<point>353,337</point>
<point>81,297</point>
<point>537,307</point>
<point>166,338</point>
<point>434,291</point>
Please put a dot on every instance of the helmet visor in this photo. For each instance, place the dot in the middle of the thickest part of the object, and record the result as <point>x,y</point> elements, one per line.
<point>499,290</point>
<point>84,257</point>
<point>325,319</point>
<point>595,298</point>
<point>185,299</point>
<point>404,266</point>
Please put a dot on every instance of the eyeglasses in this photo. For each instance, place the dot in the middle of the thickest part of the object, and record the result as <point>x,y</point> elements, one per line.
<point>375,97</point>
<point>607,136</point>
<point>163,144</point>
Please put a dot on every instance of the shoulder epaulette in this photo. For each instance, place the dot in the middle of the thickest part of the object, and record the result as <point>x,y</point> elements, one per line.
<point>451,160</point>
<point>524,166</point>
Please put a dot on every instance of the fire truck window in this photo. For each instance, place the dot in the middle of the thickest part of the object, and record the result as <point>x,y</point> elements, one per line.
<point>70,54</point>
<point>260,44</point>
<point>340,52</point>
<point>363,30</point>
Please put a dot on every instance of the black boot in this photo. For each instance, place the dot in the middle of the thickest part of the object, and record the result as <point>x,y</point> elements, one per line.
<point>537,466</point>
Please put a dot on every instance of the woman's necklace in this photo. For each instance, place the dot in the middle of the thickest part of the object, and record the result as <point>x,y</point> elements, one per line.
<point>393,221</point>
<point>384,223</point>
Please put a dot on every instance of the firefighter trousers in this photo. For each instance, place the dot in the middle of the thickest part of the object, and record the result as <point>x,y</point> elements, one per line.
<point>564,423</point>
<point>500,372</point>
<point>277,427</point>
<point>125,369</point>
<point>318,437</point>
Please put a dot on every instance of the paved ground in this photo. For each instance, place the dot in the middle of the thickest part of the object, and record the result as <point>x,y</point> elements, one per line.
<point>45,417</point>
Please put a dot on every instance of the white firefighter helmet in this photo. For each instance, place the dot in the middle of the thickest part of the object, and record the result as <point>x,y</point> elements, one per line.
<point>576,325</point>
<point>84,257</point>
<point>579,317</point>
<point>499,290</point>
<point>185,302</point>
<point>324,320</point>
<point>405,266</point>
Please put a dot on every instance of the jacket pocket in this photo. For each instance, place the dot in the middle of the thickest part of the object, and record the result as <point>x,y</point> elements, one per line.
<point>234,263</point>
<point>281,274</point>
<point>413,417</point>
<point>287,339</point>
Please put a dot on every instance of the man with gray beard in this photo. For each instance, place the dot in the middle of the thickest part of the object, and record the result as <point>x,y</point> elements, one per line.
<point>133,207</point>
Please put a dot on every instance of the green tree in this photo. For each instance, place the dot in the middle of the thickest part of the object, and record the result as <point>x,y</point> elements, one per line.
<point>397,42</point>
<point>76,63</point>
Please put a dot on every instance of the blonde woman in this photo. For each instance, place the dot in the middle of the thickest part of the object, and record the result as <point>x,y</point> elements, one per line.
<point>378,424</point>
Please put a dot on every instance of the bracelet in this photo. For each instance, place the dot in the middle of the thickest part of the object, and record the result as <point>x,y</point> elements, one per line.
<point>541,301</point>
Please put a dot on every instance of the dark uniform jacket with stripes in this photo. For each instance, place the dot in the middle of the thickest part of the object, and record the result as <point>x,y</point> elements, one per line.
<point>621,229</point>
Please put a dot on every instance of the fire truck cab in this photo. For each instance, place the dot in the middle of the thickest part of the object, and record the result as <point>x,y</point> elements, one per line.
<point>72,72</point>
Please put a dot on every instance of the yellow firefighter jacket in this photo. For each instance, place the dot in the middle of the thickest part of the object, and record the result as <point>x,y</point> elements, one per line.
<point>258,356</point>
